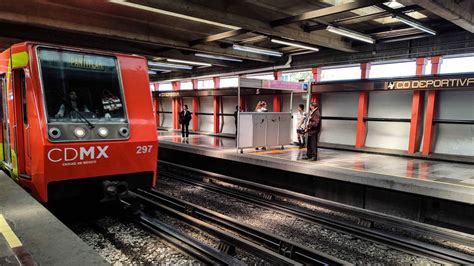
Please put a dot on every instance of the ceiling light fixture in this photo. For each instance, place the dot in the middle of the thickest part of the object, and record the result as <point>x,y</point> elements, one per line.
<point>295,45</point>
<point>219,57</point>
<point>188,62</point>
<point>415,25</point>
<point>167,66</point>
<point>151,72</point>
<point>173,14</point>
<point>256,50</point>
<point>351,34</point>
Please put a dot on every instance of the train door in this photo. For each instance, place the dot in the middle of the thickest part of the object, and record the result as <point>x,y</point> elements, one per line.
<point>7,157</point>
<point>21,125</point>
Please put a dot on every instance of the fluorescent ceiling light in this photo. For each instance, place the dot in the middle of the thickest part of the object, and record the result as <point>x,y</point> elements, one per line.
<point>312,48</point>
<point>351,34</point>
<point>256,50</point>
<point>188,62</point>
<point>415,25</point>
<point>151,72</point>
<point>168,13</point>
<point>218,57</point>
<point>157,66</point>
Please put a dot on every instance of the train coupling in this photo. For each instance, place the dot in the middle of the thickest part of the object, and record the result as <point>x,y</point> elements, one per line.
<point>114,190</point>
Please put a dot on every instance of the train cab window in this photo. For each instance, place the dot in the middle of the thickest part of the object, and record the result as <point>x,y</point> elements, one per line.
<point>81,85</point>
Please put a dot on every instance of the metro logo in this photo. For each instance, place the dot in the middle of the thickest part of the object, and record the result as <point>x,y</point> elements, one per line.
<point>56,155</point>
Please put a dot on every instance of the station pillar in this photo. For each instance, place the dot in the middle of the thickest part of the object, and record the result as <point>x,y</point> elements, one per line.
<point>277,98</point>
<point>216,107</point>
<point>417,107</point>
<point>156,104</point>
<point>430,109</point>
<point>361,130</point>
<point>315,97</point>
<point>195,107</point>
<point>176,105</point>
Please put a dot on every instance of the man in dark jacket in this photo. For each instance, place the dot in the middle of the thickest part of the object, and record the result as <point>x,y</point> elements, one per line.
<point>184,118</point>
<point>312,129</point>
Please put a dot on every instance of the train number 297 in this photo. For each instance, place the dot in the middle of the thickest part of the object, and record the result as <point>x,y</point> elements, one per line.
<point>144,149</point>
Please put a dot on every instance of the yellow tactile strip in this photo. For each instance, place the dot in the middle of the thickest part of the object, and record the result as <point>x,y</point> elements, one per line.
<point>8,233</point>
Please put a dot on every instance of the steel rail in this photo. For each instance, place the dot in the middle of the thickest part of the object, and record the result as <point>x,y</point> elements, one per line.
<point>173,209</point>
<point>186,244</point>
<point>270,246</point>
<point>416,247</point>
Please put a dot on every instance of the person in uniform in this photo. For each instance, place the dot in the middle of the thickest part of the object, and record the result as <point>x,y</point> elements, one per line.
<point>184,119</point>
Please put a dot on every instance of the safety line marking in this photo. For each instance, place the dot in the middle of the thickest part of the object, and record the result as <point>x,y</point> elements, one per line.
<point>276,151</point>
<point>8,233</point>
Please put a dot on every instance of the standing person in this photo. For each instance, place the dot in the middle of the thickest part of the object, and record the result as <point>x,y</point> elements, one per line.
<point>236,113</point>
<point>71,105</point>
<point>312,129</point>
<point>184,118</point>
<point>300,125</point>
<point>261,107</point>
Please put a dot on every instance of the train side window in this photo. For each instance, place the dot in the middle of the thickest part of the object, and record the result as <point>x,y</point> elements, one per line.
<point>23,96</point>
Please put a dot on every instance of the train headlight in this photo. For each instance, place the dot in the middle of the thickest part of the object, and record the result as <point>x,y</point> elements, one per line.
<point>54,132</point>
<point>103,132</point>
<point>123,131</point>
<point>79,132</point>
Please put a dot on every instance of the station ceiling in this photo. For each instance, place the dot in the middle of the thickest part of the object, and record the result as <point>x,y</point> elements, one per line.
<point>234,36</point>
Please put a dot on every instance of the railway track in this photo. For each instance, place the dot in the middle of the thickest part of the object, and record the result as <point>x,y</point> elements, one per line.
<point>231,232</point>
<point>188,245</point>
<point>412,246</point>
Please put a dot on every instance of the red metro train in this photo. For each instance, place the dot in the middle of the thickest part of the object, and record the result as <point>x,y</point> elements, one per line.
<point>76,122</point>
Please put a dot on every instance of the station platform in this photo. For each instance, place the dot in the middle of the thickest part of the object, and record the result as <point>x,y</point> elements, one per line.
<point>30,234</point>
<point>423,190</point>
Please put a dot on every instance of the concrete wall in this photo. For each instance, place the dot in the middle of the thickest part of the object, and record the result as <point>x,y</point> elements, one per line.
<point>206,122</point>
<point>166,120</point>
<point>342,105</point>
<point>228,107</point>
<point>389,135</point>
<point>452,138</point>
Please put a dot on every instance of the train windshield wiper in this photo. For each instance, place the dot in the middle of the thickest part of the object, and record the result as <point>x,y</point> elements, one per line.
<point>89,124</point>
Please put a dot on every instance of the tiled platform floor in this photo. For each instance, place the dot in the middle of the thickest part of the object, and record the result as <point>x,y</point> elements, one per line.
<point>436,171</point>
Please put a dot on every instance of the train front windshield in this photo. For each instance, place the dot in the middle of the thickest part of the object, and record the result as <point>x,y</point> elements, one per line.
<point>80,85</point>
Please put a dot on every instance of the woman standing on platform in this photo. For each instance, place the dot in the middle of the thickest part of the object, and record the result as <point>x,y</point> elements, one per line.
<point>301,117</point>
<point>184,119</point>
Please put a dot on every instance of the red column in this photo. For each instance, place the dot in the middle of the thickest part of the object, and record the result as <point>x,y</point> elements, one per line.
<point>242,103</point>
<point>195,108</point>
<point>216,107</point>
<point>176,105</point>
<point>418,100</point>
<point>362,109</point>
<point>315,97</point>
<point>277,98</point>
<point>156,101</point>
<point>430,109</point>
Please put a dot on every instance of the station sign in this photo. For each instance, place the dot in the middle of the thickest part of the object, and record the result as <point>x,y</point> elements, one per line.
<point>282,85</point>
<point>169,94</point>
<point>430,84</point>
<point>435,82</point>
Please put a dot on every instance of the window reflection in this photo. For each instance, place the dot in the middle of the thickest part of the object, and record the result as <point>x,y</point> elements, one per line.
<point>79,85</point>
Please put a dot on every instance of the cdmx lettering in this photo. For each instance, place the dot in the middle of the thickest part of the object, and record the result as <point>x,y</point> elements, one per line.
<point>56,155</point>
